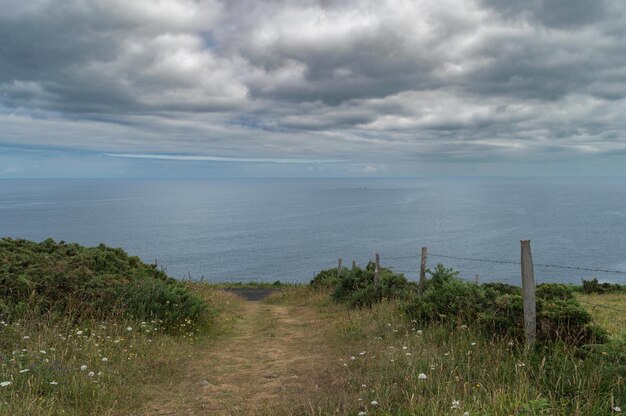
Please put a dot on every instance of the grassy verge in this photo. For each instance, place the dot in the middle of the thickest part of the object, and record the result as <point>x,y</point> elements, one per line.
<point>393,367</point>
<point>61,367</point>
<point>608,311</point>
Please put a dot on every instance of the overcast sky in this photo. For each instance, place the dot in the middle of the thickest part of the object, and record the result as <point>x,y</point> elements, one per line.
<point>312,88</point>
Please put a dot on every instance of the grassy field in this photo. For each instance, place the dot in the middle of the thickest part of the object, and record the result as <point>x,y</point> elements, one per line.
<point>97,368</point>
<point>300,353</point>
<point>396,368</point>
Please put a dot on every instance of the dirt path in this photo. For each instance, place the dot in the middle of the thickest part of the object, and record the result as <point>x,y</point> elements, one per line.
<point>272,363</point>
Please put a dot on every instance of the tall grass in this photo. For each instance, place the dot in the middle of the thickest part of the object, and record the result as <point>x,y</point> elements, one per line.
<point>394,367</point>
<point>58,366</point>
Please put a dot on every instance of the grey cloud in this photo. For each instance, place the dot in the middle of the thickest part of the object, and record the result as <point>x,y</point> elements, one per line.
<point>368,80</point>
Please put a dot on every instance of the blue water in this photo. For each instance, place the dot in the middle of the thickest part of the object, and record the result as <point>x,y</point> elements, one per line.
<point>270,229</point>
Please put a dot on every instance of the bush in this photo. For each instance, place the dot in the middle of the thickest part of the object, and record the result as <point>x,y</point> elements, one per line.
<point>498,309</point>
<point>89,282</point>
<point>358,288</point>
<point>593,286</point>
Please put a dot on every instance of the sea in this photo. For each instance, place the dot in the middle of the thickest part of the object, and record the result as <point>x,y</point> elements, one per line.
<point>270,229</point>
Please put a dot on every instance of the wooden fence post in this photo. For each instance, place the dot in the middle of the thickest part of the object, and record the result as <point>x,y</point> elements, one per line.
<point>528,293</point>
<point>422,283</point>
<point>353,264</point>
<point>339,266</point>
<point>377,269</point>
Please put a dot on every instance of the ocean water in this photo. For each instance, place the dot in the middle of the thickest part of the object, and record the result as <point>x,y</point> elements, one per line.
<point>287,229</point>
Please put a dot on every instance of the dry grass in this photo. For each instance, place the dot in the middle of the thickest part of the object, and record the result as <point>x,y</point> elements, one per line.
<point>42,360</point>
<point>393,367</point>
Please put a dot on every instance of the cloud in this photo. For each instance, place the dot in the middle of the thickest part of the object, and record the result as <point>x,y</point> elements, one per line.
<point>220,159</point>
<point>368,81</point>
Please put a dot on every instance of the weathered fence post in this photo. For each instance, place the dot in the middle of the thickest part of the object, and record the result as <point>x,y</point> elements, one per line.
<point>528,293</point>
<point>476,279</point>
<point>377,269</point>
<point>422,283</point>
<point>339,266</point>
<point>353,264</point>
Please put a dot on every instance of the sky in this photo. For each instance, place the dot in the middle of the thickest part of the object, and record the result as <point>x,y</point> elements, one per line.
<point>210,88</point>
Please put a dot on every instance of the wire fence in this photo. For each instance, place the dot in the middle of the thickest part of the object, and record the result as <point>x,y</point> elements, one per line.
<point>418,260</point>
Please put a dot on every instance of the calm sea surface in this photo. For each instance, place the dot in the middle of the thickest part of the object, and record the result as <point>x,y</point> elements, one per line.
<point>269,229</point>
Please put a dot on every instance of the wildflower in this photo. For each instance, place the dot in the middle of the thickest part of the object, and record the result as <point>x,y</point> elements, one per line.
<point>419,332</point>
<point>91,374</point>
<point>5,383</point>
<point>617,409</point>
<point>422,376</point>
<point>404,348</point>
<point>374,403</point>
<point>105,359</point>
<point>26,337</point>
<point>42,352</point>
<point>130,328</point>
<point>456,404</point>
<point>79,332</point>
<point>472,344</point>
<point>353,358</point>
<point>511,343</point>
<point>363,353</point>
<point>465,413</point>
<point>83,367</point>
<point>463,326</point>
<point>26,370</point>
<point>362,413</point>
<point>408,354</point>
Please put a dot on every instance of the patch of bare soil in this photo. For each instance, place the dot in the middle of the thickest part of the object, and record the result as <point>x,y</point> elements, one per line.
<point>274,362</point>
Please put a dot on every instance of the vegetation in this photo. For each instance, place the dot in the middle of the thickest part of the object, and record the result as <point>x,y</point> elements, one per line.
<point>347,343</point>
<point>494,308</point>
<point>390,365</point>
<point>593,286</point>
<point>77,282</point>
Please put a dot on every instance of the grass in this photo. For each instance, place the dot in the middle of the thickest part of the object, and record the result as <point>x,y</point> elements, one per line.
<point>406,370</point>
<point>61,367</point>
<point>375,355</point>
<point>608,311</point>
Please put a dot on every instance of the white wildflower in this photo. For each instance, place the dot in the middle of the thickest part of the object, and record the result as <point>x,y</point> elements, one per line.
<point>466,414</point>
<point>353,358</point>
<point>362,413</point>
<point>26,370</point>
<point>419,332</point>
<point>91,374</point>
<point>130,328</point>
<point>79,332</point>
<point>5,383</point>
<point>105,359</point>
<point>472,344</point>
<point>422,376</point>
<point>26,337</point>
<point>456,404</point>
<point>83,367</point>
<point>374,403</point>
<point>617,409</point>
<point>54,383</point>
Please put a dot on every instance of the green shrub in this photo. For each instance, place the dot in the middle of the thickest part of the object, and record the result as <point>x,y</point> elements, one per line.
<point>358,288</point>
<point>593,286</point>
<point>325,278</point>
<point>498,309</point>
<point>89,282</point>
